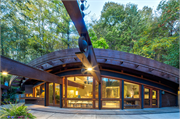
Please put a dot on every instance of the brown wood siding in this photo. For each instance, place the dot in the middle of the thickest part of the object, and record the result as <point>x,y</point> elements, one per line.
<point>38,101</point>
<point>168,100</point>
<point>28,88</point>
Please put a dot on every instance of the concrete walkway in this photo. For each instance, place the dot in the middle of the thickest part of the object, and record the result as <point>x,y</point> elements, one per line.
<point>48,112</point>
<point>52,109</point>
<point>49,115</point>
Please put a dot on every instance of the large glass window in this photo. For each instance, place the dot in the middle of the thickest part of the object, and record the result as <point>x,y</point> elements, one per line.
<point>96,104</point>
<point>154,94</point>
<point>80,103</point>
<point>51,96</point>
<point>29,95</point>
<point>40,91</point>
<point>110,104</point>
<point>146,96</point>
<point>57,93</point>
<point>74,91</point>
<point>131,104</point>
<point>154,97</point>
<point>146,93</point>
<point>131,90</point>
<point>64,91</point>
<point>110,88</point>
<point>96,90</point>
<point>37,91</point>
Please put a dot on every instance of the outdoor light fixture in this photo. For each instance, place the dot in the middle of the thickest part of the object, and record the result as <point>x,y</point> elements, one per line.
<point>89,69</point>
<point>4,73</point>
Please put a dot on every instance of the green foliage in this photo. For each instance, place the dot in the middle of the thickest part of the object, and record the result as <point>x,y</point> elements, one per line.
<point>155,36</point>
<point>97,43</point>
<point>169,15</point>
<point>31,29</point>
<point>16,111</point>
<point>10,95</point>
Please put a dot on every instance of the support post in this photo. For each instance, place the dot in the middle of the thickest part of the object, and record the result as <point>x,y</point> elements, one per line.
<point>142,96</point>
<point>61,96</point>
<point>66,84</point>
<point>160,98</point>
<point>94,90</point>
<point>177,101</point>
<point>178,98</point>
<point>99,96</point>
<point>122,96</point>
<point>45,96</point>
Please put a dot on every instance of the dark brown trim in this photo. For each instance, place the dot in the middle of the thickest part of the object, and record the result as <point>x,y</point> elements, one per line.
<point>47,93</point>
<point>140,95</point>
<point>77,98</point>
<point>110,99</point>
<point>67,70</point>
<point>129,99</point>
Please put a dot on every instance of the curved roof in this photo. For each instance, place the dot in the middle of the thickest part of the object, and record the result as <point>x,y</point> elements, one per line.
<point>110,57</point>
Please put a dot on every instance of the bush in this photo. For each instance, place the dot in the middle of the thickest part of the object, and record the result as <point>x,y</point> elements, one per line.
<point>15,111</point>
<point>9,96</point>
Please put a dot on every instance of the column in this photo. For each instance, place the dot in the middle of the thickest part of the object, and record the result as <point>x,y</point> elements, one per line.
<point>122,94</point>
<point>94,90</point>
<point>177,99</point>
<point>142,96</point>
<point>99,95</point>
<point>61,96</point>
<point>160,98</point>
<point>45,95</point>
<point>66,84</point>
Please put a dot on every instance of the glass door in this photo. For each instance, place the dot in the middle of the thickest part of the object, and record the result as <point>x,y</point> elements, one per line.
<point>54,94</point>
<point>150,97</point>
<point>146,97</point>
<point>51,94</point>
<point>154,98</point>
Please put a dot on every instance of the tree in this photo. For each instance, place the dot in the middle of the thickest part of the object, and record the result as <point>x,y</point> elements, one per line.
<point>31,29</point>
<point>97,43</point>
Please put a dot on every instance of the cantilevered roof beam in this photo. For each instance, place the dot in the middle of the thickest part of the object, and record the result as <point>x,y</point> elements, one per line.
<point>16,68</point>
<point>87,57</point>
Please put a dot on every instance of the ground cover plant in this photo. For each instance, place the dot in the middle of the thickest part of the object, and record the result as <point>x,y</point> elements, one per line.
<point>15,111</point>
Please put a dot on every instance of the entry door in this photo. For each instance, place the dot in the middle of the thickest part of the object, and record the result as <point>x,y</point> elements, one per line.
<point>54,94</point>
<point>150,97</point>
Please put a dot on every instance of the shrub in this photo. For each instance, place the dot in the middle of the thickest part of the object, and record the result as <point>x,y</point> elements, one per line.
<point>10,95</point>
<point>16,111</point>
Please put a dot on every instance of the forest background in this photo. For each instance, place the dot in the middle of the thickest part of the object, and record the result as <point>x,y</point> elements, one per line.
<point>32,28</point>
